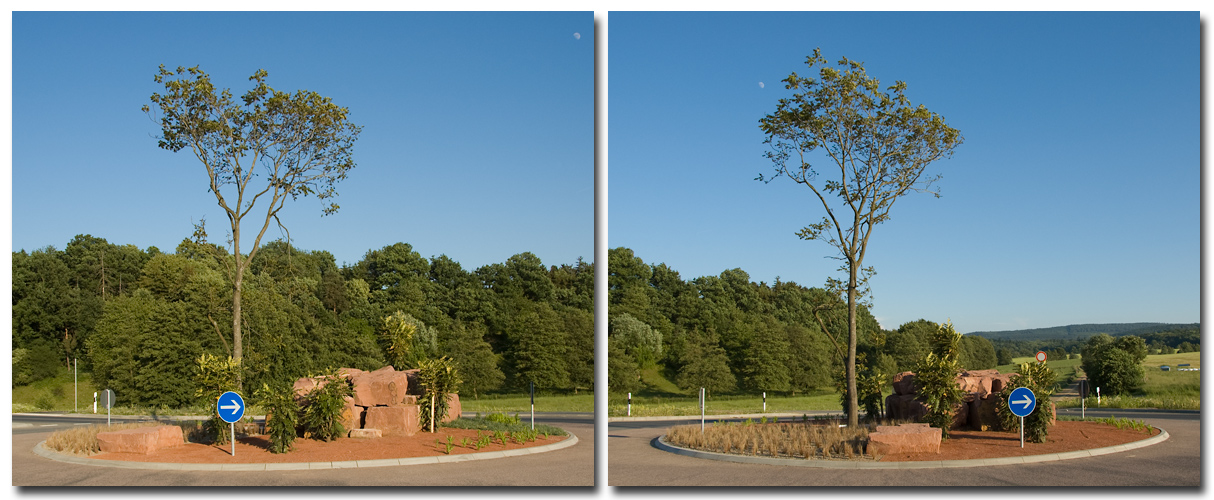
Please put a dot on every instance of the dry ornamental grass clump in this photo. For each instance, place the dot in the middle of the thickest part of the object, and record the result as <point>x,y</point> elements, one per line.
<point>784,440</point>
<point>83,440</point>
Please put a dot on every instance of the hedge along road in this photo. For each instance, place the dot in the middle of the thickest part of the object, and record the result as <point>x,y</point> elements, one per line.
<point>573,466</point>
<point>633,461</point>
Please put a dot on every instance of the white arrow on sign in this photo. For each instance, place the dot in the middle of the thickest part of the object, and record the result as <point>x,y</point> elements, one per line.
<point>235,406</point>
<point>1026,402</point>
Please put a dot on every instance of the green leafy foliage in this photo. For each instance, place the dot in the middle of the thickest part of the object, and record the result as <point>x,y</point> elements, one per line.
<point>1039,378</point>
<point>623,375</point>
<point>832,113</point>
<point>1114,365</point>
<point>439,379</point>
<point>213,376</point>
<point>936,378</point>
<point>323,407</point>
<point>407,341</point>
<point>282,416</point>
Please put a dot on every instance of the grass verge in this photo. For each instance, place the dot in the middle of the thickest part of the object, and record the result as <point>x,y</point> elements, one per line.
<point>499,422</point>
<point>521,403</point>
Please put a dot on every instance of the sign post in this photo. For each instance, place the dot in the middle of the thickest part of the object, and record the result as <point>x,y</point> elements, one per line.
<point>702,404</point>
<point>533,406</point>
<point>230,407</point>
<point>1083,398</point>
<point>1022,401</point>
<point>107,400</point>
<point>76,384</point>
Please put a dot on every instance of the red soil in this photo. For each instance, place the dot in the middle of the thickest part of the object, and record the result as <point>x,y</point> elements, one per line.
<point>255,449</point>
<point>1063,437</point>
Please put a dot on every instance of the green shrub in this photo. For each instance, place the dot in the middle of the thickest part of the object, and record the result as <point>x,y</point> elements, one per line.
<point>324,406</point>
<point>936,378</point>
<point>282,416</point>
<point>502,418</point>
<point>214,375</point>
<point>439,379</point>
<point>1040,379</point>
<point>1114,365</point>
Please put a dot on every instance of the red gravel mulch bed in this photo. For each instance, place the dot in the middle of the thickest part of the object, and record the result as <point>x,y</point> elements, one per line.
<point>255,449</point>
<point>1063,437</point>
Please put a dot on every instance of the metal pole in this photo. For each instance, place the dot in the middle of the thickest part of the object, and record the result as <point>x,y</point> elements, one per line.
<point>764,401</point>
<point>1022,432</point>
<point>76,384</point>
<point>533,406</point>
<point>232,428</point>
<point>702,405</point>
<point>630,404</point>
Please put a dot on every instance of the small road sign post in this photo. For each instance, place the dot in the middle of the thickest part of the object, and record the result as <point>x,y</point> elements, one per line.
<point>1083,398</point>
<point>107,400</point>
<point>1022,401</point>
<point>230,407</point>
<point>1040,356</point>
<point>702,404</point>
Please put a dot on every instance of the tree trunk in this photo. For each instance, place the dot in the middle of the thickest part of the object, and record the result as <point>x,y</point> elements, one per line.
<point>853,405</point>
<point>237,282</point>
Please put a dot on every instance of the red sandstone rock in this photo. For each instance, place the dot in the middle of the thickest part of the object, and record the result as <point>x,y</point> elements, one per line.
<point>904,383</point>
<point>143,440</point>
<point>960,416</point>
<point>365,433</point>
<point>393,419</point>
<point>382,387</point>
<point>904,407</point>
<point>454,408</point>
<point>912,438</point>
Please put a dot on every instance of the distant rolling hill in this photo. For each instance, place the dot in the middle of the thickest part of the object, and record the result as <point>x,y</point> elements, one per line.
<point>1076,332</point>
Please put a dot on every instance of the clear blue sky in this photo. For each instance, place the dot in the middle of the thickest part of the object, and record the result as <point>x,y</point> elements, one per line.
<point>477,142</point>
<point>1074,199</point>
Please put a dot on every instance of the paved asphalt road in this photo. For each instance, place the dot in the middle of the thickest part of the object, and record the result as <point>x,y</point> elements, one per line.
<point>573,466</point>
<point>633,461</point>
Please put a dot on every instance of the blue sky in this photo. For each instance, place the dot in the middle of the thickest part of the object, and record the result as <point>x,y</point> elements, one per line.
<point>477,141</point>
<point>1074,199</point>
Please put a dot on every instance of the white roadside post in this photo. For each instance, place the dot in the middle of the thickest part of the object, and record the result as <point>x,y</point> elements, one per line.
<point>1097,396</point>
<point>94,402</point>
<point>764,401</point>
<point>702,404</point>
<point>630,404</point>
<point>75,385</point>
<point>533,406</point>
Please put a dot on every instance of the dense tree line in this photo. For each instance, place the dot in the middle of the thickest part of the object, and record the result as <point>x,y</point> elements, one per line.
<point>140,318</point>
<point>727,333</point>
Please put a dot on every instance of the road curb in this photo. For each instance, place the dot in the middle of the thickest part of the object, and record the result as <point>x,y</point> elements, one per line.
<point>724,417</point>
<point>661,444</point>
<point>44,452</point>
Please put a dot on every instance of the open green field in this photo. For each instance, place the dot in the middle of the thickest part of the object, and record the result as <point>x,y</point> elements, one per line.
<point>1066,369</point>
<point>54,394</point>
<point>652,406</point>
<point>521,403</point>
<point>1170,390</point>
<point>1154,360</point>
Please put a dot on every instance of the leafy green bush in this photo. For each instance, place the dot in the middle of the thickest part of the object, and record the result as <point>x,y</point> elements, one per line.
<point>1114,365</point>
<point>439,379</point>
<point>213,376</point>
<point>282,416</point>
<point>502,418</point>
<point>324,406</point>
<point>936,378</point>
<point>1040,379</point>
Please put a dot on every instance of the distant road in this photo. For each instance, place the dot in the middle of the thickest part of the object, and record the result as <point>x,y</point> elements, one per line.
<point>633,461</point>
<point>573,466</point>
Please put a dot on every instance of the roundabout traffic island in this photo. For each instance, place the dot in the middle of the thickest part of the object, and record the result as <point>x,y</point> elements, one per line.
<point>252,452</point>
<point>825,444</point>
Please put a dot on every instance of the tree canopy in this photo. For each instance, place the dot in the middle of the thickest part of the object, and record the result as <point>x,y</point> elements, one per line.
<point>876,146</point>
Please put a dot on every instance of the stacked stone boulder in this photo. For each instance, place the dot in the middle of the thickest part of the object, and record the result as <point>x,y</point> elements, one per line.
<point>383,400</point>
<point>977,410</point>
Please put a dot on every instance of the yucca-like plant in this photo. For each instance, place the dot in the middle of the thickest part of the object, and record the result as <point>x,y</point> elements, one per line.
<point>439,379</point>
<point>213,376</point>
<point>1040,379</point>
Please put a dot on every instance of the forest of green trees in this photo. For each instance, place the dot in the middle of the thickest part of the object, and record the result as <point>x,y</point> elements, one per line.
<point>727,333</point>
<point>139,319</point>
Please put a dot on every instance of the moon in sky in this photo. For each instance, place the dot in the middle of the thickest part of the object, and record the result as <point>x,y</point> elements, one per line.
<point>577,36</point>
<point>761,85</point>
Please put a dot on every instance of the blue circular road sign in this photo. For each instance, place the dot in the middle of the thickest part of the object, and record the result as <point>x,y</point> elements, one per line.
<point>1022,402</point>
<point>230,407</point>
